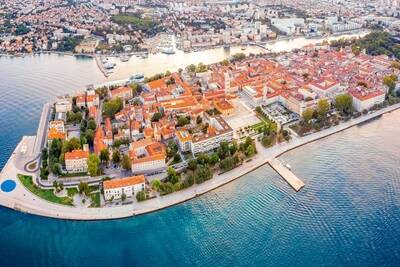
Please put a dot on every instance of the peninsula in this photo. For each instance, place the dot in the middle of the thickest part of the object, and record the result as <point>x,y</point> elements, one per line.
<point>139,145</point>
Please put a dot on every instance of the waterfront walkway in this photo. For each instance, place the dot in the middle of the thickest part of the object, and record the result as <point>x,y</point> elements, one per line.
<point>23,200</point>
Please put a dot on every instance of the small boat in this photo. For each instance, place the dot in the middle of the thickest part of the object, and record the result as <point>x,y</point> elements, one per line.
<point>109,65</point>
<point>168,50</point>
<point>288,166</point>
<point>124,58</point>
<point>137,78</point>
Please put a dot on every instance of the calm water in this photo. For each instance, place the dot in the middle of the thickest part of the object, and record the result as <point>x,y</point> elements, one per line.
<point>348,213</point>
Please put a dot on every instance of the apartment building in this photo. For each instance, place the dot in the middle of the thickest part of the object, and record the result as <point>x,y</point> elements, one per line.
<point>129,186</point>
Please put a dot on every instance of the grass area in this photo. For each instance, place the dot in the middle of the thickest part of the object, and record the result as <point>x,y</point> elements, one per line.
<point>257,126</point>
<point>32,166</point>
<point>46,194</point>
<point>95,197</point>
<point>94,188</point>
<point>134,20</point>
<point>72,191</point>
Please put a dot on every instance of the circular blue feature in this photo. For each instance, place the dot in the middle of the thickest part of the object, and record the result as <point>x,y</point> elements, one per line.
<point>8,186</point>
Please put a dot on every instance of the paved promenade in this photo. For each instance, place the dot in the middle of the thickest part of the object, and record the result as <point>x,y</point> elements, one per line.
<point>21,199</point>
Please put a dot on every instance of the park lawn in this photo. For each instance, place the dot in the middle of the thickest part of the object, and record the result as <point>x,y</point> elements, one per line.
<point>135,20</point>
<point>257,126</point>
<point>95,197</point>
<point>72,191</point>
<point>46,194</point>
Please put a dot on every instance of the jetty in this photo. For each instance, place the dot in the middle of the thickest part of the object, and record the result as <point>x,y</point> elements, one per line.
<point>286,174</point>
<point>101,67</point>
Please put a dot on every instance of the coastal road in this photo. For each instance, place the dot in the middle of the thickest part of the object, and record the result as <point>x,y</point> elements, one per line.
<point>42,129</point>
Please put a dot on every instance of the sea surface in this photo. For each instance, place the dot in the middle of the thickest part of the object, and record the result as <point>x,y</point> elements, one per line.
<point>348,214</point>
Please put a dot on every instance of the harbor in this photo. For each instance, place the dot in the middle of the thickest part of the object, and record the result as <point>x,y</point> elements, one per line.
<point>285,172</point>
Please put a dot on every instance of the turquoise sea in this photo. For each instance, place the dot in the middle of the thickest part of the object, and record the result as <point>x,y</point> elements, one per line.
<point>347,215</point>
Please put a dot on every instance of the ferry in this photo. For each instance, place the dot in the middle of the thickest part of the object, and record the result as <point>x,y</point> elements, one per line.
<point>138,78</point>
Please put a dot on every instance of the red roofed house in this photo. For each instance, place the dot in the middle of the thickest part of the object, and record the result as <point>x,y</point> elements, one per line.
<point>108,139</point>
<point>98,142</point>
<point>365,99</point>
<point>147,156</point>
<point>128,186</point>
<point>81,101</point>
<point>122,92</point>
<point>76,161</point>
<point>92,100</point>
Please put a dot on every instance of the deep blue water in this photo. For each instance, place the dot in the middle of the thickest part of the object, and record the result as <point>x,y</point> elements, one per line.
<point>347,215</point>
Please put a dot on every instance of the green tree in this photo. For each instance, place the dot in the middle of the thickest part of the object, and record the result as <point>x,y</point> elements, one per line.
<point>89,136</point>
<point>192,164</point>
<point>390,82</point>
<point>104,155</point>
<point>182,121</point>
<point>202,174</point>
<point>56,169</point>
<point>307,115</point>
<point>233,147</point>
<point>84,188</point>
<point>71,144</point>
<point>227,164</point>
<point>213,159</point>
<point>140,196</point>
<point>223,150</point>
<point>136,88</point>
<point>202,158</point>
<point>93,165</point>
<point>156,184</point>
<point>344,103</point>
<point>44,173</point>
<point>91,124</point>
<point>156,117</point>
<point>323,108</point>
<point>173,176</point>
<point>126,162</point>
<point>116,157</point>
<point>111,107</point>
<point>250,150</point>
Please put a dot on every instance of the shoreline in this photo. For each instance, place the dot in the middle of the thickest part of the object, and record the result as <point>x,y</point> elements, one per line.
<point>23,200</point>
<point>260,44</point>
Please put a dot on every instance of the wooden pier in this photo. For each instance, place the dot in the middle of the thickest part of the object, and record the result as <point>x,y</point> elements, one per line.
<point>286,174</point>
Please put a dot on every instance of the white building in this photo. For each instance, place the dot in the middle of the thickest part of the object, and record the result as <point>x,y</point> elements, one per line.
<point>63,104</point>
<point>129,186</point>
<point>58,125</point>
<point>184,140</point>
<point>217,132</point>
<point>364,100</point>
<point>288,25</point>
<point>147,156</point>
<point>76,161</point>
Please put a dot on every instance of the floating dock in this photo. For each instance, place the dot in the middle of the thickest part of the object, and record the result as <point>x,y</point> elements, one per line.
<point>286,174</point>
